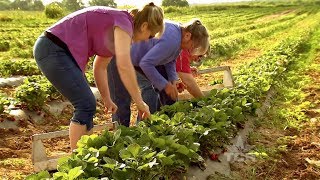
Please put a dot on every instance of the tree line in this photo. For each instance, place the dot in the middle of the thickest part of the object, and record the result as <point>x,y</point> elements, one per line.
<point>71,5</point>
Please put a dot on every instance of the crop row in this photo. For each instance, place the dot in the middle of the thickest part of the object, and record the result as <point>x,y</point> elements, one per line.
<point>222,47</point>
<point>166,144</point>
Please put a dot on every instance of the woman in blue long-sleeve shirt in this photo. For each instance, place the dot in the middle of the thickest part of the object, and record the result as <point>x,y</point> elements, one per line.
<point>155,63</point>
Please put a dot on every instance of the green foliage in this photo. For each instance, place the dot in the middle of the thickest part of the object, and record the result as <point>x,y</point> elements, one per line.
<point>28,5</point>
<point>179,3</point>
<point>4,46</point>
<point>31,94</point>
<point>35,91</point>
<point>73,5</point>
<point>90,78</point>
<point>5,4</point>
<point>18,67</point>
<point>38,5</point>
<point>109,3</point>
<point>170,140</point>
<point>3,102</point>
<point>54,10</point>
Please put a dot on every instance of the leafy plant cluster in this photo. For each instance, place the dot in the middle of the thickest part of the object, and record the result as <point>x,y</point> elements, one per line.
<point>3,102</point>
<point>227,46</point>
<point>167,143</point>
<point>4,46</point>
<point>35,91</point>
<point>18,67</point>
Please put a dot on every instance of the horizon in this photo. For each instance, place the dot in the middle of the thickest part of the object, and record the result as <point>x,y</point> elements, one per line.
<point>157,2</point>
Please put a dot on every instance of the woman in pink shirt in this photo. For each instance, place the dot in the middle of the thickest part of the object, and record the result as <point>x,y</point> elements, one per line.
<point>63,51</point>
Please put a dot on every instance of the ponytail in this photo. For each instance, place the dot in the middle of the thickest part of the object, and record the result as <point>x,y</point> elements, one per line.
<point>199,36</point>
<point>151,14</point>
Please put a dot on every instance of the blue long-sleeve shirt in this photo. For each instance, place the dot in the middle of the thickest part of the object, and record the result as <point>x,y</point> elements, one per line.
<point>164,51</point>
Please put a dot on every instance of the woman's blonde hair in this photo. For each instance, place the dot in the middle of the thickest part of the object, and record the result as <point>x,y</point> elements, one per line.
<point>151,14</point>
<point>199,36</point>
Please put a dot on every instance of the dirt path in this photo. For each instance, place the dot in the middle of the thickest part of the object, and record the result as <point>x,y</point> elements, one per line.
<point>294,153</point>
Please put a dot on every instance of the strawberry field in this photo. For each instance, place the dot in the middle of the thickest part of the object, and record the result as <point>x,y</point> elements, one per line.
<point>270,48</point>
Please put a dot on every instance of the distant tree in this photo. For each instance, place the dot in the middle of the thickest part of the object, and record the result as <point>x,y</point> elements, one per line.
<point>73,5</point>
<point>109,3</point>
<point>21,4</point>
<point>5,4</point>
<point>38,5</point>
<point>179,3</point>
<point>54,10</point>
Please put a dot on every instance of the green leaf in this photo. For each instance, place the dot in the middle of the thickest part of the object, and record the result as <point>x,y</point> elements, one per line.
<point>103,150</point>
<point>166,161</point>
<point>149,155</point>
<point>39,176</point>
<point>117,135</point>
<point>125,154</point>
<point>75,173</point>
<point>122,174</point>
<point>134,149</point>
<point>183,150</point>
<point>60,176</point>
<point>160,143</point>
<point>237,110</point>
<point>110,163</point>
<point>93,160</point>
<point>63,165</point>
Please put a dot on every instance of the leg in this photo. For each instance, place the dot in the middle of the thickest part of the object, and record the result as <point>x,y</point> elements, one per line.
<point>119,95</point>
<point>149,94</point>
<point>62,71</point>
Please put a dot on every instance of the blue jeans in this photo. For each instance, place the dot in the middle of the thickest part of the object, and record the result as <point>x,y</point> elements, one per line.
<point>122,99</point>
<point>63,72</point>
<point>119,95</point>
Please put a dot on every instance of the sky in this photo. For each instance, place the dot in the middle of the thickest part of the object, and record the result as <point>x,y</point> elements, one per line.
<point>140,3</point>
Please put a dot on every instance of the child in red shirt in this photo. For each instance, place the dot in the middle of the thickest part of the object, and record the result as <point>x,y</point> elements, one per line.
<point>186,73</point>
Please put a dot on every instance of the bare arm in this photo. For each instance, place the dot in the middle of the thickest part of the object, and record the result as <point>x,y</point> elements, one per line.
<point>126,71</point>
<point>100,76</point>
<point>192,86</point>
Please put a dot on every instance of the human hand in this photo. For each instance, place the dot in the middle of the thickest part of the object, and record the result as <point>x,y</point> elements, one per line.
<point>181,87</point>
<point>171,90</point>
<point>110,106</point>
<point>194,71</point>
<point>143,110</point>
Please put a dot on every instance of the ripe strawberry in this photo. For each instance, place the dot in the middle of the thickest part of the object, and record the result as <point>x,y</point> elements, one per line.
<point>214,157</point>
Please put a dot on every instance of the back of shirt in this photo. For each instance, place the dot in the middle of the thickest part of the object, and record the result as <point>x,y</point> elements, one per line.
<point>90,31</point>
<point>183,62</point>
<point>164,51</point>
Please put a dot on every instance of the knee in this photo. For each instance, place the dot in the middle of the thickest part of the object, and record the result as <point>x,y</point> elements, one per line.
<point>84,113</point>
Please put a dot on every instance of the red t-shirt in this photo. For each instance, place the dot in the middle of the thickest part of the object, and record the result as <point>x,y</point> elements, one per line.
<point>183,63</point>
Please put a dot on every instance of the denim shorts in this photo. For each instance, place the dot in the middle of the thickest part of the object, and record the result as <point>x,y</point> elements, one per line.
<point>63,72</point>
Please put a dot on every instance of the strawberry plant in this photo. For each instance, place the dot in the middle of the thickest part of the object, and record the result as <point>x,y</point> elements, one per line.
<point>18,67</point>
<point>3,102</point>
<point>35,91</point>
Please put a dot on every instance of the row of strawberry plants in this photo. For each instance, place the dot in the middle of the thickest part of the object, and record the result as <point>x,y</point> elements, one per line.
<point>166,144</point>
<point>18,67</point>
<point>219,33</point>
<point>228,45</point>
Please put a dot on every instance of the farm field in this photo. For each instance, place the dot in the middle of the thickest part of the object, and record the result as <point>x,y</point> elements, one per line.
<point>268,47</point>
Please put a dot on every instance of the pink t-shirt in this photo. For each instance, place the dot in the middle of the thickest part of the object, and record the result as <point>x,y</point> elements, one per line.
<point>183,63</point>
<point>90,31</point>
